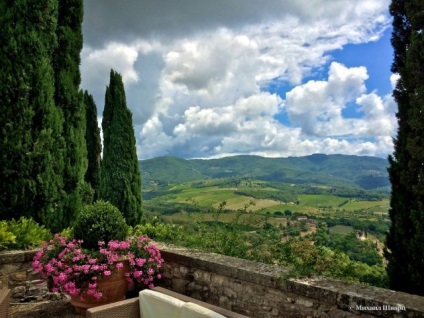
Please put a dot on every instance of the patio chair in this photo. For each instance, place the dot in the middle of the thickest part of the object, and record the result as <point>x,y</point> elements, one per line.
<point>161,303</point>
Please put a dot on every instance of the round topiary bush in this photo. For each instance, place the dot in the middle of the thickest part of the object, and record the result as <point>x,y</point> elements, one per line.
<point>100,221</point>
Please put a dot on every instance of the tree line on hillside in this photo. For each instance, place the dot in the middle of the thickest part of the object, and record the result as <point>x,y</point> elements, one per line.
<point>50,148</point>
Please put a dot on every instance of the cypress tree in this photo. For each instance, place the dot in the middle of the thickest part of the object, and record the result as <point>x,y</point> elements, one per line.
<point>94,146</point>
<point>405,240</point>
<point>66,61</point>
<point>120,175</point>
<point>30,123</point>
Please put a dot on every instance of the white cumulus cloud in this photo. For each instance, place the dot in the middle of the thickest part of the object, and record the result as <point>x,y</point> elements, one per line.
<point>199,75</point>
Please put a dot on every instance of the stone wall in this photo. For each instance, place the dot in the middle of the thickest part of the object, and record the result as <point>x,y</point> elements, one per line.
<point>255,289</point>
<point>247,287</point>
<point>17,275</point>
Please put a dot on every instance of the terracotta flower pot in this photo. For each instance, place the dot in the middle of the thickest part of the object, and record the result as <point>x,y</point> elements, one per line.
<point>113,288</point>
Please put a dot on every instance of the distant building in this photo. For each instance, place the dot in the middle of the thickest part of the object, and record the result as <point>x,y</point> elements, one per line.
<point>361,235</point>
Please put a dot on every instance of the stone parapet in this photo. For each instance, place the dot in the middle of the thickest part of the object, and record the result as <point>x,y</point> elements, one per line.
<point>256,289</point>
<point>243,286</point>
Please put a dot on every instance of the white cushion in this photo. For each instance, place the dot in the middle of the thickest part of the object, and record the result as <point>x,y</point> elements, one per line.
<point>192,310</point>
<point>157,305</point>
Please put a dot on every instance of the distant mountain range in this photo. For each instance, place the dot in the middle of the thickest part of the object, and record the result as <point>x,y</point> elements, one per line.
<point>368,173</point>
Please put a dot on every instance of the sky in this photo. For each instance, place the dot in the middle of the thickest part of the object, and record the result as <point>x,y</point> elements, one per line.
<point>275,78</point>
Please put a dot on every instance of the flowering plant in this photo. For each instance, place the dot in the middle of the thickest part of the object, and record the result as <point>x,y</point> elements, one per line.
<point>71,269</point>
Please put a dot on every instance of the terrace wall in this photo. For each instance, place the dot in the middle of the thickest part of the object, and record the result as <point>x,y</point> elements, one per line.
<point>255,289</point>
<point>247,287</point>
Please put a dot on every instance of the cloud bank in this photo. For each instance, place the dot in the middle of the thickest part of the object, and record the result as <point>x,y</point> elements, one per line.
<point>199,76</point>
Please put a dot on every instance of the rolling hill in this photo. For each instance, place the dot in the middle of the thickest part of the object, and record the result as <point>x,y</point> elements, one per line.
<point>369,173</point>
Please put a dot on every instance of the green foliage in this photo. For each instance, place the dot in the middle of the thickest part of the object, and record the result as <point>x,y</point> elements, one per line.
<point>86,193</point>
<point>31,160</point>
<point>304,259</point>
<point>7,238</point>
<point>21,234</point>
<point>357,250</point>
<point>27,233</point>
<point>93,142</point>
<point>120,181</point>
<point>164,232</point>
<point>68,232</point>
<point>99,222</point>
<point>405,248</point>
<point>67,78</point>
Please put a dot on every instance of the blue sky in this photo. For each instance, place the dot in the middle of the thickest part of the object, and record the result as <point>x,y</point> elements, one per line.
<point>376,56</point>
<point>226,77</point>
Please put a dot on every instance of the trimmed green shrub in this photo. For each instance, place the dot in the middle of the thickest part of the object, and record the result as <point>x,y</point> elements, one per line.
<point>28,233</point>
<point>100,222</point>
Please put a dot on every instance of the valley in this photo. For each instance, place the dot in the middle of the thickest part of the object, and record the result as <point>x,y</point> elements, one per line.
<point>236,206</point>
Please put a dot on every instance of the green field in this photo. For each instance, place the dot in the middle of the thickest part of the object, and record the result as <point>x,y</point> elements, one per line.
<point>341,229</point>
<point>184,203</point>
<point>312,204</point>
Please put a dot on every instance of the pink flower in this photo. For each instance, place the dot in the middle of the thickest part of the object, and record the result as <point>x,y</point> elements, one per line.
<point>62,277</point>
<point>124,245</point>
<point>137,274</point>
<point>140,261</point>
<point>35,264</point>
<point>73,291</point>
<point>98,295</point>
<point>75,273</point>
<point>71,245</point>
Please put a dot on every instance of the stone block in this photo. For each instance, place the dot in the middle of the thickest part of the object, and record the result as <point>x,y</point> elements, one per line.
<point>202,276</point>
<point>19,292</point>
<point>12,257</point>
<point>224,302</point>
<point>32,275</point>
<point>184,270</point>
<point>304,302</point>
<point>179,285</point>
<point>7,269</point>
<point>36,291</point>
<point>229,292</point>
<point>218,279</point>
<point>191,286</point>
<point>20,276</point>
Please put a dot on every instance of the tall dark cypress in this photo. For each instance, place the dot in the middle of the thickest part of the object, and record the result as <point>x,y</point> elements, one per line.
<point>405,240</point>
<point>30,123</point>
<point>94,145</point>
<point>120,175</point>
<point>66,61</point>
